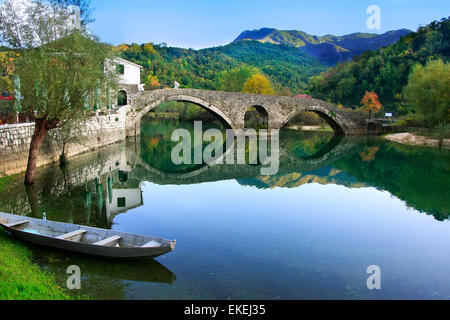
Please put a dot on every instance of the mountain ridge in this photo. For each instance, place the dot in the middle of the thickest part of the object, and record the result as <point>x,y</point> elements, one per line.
<point>328,49</point>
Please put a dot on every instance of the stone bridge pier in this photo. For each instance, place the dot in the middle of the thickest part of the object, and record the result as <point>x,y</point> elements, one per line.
<point>232,107</point>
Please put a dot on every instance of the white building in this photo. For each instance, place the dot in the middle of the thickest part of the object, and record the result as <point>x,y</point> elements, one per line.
<point>129,75</point>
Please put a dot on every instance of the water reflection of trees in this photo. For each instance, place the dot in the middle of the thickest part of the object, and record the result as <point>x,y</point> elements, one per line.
<point>308,144</point>
<point>418,176</point>
<point>86,195</point>
<point>373,162</point>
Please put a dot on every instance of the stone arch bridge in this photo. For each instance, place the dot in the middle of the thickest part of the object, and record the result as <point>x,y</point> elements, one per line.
<point>231,108</point>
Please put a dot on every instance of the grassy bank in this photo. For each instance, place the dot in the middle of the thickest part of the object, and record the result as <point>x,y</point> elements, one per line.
<point>20,278</point>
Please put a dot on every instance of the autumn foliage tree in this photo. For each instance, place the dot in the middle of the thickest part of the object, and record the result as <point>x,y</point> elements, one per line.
<point>7,70</point>
<point>369,154</point>
<point>258,84</point>
<point>152,82</point>
<point>370,103</point>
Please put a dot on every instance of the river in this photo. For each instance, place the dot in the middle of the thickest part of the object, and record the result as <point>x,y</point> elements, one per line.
<point>335,207</point>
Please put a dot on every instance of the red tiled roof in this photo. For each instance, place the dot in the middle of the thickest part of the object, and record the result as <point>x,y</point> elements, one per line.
<point>303,96</point>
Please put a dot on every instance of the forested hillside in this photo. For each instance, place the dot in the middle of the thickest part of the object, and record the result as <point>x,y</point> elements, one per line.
<point>287,68</point>
<point>384,71</point>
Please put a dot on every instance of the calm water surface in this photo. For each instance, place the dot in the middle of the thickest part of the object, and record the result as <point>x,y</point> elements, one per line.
<point>336,207</point>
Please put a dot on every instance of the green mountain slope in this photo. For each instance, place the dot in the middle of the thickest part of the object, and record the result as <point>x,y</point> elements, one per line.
<point>384,71</point>
<point>284,65</point>
<point>328,49</point>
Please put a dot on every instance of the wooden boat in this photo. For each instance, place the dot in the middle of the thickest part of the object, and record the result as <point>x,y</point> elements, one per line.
<point>82,239</point>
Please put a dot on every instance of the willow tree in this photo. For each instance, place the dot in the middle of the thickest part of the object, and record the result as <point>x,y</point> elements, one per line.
<point>60,70</point>
<point>63,81</point>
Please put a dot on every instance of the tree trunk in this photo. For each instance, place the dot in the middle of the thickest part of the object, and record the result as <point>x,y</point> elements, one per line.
<point>40,131</point>
<point>34,201</point>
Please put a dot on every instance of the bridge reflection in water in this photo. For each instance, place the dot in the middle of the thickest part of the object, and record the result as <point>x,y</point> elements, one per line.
<point>133,186</point>
<point>97,187</point>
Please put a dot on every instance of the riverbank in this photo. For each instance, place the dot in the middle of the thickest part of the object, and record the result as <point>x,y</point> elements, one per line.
<point>310,128</point>
<point>414,139</point>
<point>98,132</point>
<point>21,278</point>
<point>21,274</point>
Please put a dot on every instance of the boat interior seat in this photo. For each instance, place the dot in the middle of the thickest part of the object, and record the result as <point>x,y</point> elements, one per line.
<point>151,244</point>
<point>16,223</point>
<point>109,242</point>
<point>72,236</point>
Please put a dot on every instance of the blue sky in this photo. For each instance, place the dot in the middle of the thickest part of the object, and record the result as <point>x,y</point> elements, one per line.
<point>207,23</point>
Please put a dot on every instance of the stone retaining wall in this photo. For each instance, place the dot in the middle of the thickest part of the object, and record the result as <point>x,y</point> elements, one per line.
<point>97,132</point>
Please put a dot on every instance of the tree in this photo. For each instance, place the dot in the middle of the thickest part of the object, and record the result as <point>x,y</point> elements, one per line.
<point>62,81</point>
<point>428,91</point>
<point>235,79</point>
<point>60,70</point>
<point>258,84</point>
<point>150,49</point>
<point>370,103</point>
<point>152,82</point>
<point>122,48</point>
<point>384,71</point>
<point>284,92</point>
<point>31,23</point>
<point>7,70</point>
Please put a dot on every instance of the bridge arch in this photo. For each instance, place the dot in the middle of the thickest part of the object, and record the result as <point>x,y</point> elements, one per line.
<point>332,119</point>
<point>191,99</point>
<point>257,114</point>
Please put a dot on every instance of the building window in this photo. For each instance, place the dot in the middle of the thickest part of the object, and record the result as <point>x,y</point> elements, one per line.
<point>121,202</point>
<point>120,69</point>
